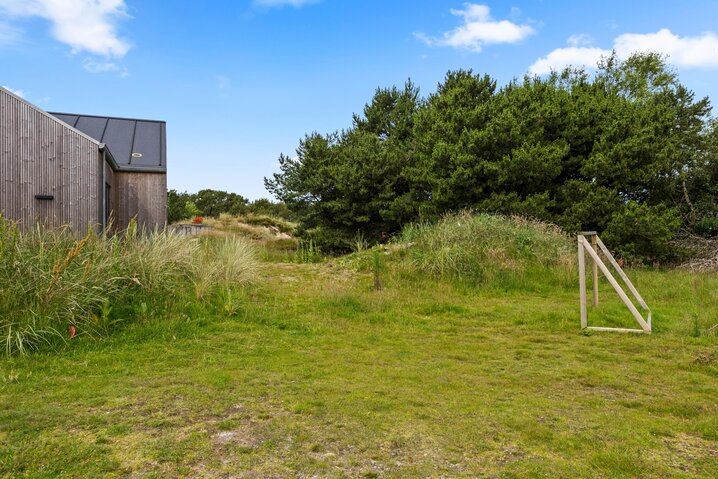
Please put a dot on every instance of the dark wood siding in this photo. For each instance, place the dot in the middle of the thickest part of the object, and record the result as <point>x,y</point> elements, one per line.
<point>141,195</point>
<point>110,179</point>
<point>41,156</point>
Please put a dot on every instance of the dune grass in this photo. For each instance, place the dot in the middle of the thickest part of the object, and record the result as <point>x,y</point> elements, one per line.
<point>478,250</point>
<point>315,373</point>
<point>495,251</point>
<point>54,285</point>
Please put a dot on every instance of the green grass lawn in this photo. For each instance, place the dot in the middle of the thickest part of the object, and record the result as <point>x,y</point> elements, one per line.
<point>318,375</point>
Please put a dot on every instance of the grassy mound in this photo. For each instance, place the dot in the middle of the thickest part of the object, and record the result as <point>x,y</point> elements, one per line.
<point>493,250</point>
<point>53,285</point>
<point>257,227</point>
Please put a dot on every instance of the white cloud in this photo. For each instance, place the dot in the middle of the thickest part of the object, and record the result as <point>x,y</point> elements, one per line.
<point>93,66</point>
<point>282,3</point>
<point>84,25</point>
<point>19,93</point>
<point>478,29</point>
<point>580,40</point>
<point>690,52</point>
<point>687,52</point>
<point>570,56</point>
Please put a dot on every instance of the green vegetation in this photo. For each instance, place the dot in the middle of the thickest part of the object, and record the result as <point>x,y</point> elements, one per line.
<point>628,152</point>
<point>453,351</point>
<point>53,285</point>
<point>212,203</point>
<point>491,250</point>
<point>272,237</point>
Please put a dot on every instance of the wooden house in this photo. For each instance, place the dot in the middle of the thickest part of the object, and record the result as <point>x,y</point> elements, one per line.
<point>80,170</point>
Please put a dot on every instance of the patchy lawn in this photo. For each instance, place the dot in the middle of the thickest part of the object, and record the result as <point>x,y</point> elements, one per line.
<point>318,375</point>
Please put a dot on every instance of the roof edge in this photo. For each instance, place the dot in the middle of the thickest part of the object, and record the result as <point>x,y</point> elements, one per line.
<point>129,168</point>
<point>49,115</point>
<point>141,169</point>
<point>110,156</point>
<point>106,116</point>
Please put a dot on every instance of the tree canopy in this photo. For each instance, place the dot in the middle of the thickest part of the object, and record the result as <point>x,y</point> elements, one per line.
<point>183,205</point>
<point>628,151</point>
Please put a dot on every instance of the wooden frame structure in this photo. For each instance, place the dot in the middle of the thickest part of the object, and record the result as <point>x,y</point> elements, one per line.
<point>593,247</point>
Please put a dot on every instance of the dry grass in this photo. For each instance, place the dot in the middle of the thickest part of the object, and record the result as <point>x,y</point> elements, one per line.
<point>255,227</point>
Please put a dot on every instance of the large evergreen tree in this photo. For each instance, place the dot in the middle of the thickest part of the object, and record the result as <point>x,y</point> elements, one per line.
<point>352,182</point>
<point>627,151</point>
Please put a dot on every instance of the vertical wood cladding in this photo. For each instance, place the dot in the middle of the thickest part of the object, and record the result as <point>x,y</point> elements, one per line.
<point>41,156</point>
<point>110,179</point>
<point>141,195</point>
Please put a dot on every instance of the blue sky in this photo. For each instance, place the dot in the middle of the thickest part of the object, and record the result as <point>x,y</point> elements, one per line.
<point>240,82</point>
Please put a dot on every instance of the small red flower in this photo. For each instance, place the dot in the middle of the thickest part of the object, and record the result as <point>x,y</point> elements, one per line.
<point>73,331</point>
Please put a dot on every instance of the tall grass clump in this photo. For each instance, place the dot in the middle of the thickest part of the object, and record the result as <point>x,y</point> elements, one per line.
<point>493,250</point>
<point>226,263</point>
<point>54,285</point>
<point>308,252</point>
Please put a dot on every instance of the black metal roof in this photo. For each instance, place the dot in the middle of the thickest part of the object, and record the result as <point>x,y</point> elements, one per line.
<point>135,144</point>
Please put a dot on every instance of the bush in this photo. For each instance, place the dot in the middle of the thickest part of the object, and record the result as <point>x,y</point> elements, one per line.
<point>640,232</point>
<point>50,280</point>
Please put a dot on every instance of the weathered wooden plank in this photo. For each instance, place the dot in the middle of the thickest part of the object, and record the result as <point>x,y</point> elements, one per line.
<point>623,275</point>
<point>582,281</point>
<point>595,271</point>
<point>141,196</point>
<point>617,330</point>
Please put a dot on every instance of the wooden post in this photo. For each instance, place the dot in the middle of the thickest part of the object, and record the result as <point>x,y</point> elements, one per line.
<point>594,245</point>
<point>582,281</point>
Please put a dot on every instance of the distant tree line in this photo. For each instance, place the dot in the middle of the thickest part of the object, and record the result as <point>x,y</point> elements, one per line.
<point>627,151</point>
<point>184,206</point>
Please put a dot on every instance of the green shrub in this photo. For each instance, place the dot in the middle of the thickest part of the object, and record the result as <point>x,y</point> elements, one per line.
<point>190,210</point>
<point>640,232</point>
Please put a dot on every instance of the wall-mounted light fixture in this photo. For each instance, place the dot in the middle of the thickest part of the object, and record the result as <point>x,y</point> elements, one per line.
<point>44,197</point>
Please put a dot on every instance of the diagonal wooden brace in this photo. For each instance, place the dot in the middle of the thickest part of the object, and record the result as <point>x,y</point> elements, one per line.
<point>585,247</point>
